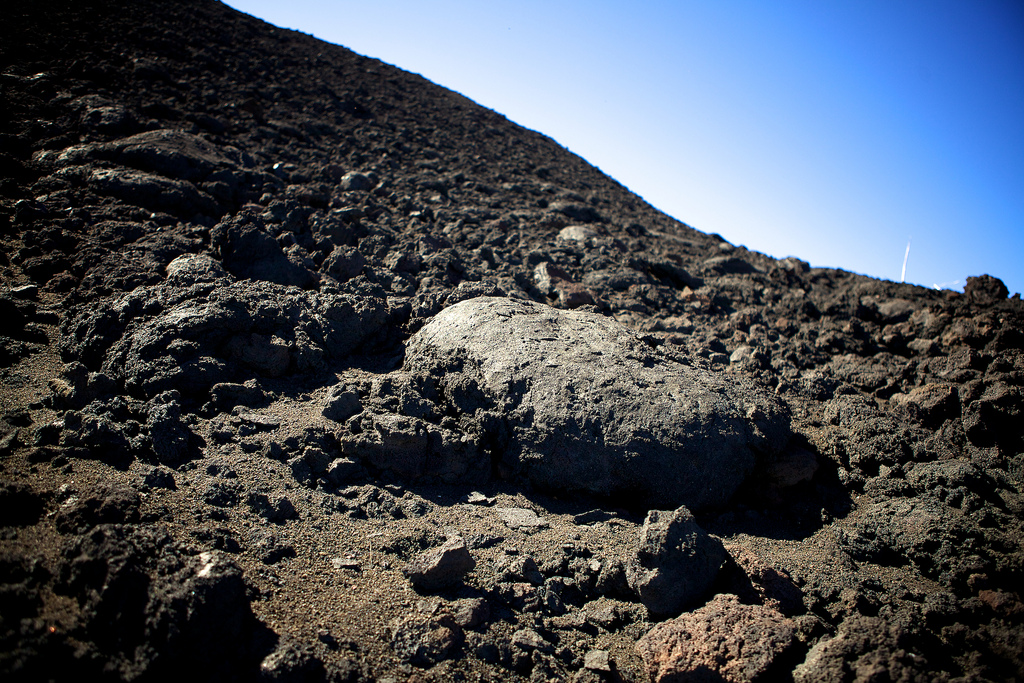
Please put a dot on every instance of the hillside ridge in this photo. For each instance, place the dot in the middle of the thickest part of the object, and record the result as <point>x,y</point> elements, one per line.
<point>315,370</point>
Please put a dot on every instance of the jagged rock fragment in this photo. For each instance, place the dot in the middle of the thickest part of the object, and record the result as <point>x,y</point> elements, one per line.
<point>440,568</point>
<point>676,562</point>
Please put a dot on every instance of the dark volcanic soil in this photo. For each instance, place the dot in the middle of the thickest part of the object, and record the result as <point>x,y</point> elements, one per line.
<point>313,370</point>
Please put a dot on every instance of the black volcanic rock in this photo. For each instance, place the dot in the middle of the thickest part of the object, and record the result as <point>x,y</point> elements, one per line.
<point>676,562</point>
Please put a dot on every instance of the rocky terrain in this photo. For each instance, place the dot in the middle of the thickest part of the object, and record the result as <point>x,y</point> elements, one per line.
<point>315,371</point>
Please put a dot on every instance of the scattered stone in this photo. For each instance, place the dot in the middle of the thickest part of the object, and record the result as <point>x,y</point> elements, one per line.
<point>170,438</point>
<point>522,519</point>
<point>522,568</point>
<point>291,661</point>
<point>343,471</point>
<point>344,263</point>
<point>440,568</point>
<point>255,422</point>
<point>271,550</point>
<point>137,589</point>
<point>472,612</point>
<point>152,191</point>
<point>479,541</point>
<point>728,265</point>
<point>159,478</point>
<point>25,292</point>
<point>277,509</point>
<point>104,505</point>
<point>603,613</point>
<point>555,282</point>
<point>477,498</point>
<point>724,640</point>
<point>994,418</point>
<point>1002,602</point>
<point>227,395</point>
<point>869,648</point>
<point>932,404</point>
<point>346,563</point>
<point>342,403</point>
<point>895,310</point>
<point>742,354</point>
<point>153,340</point>
<point>597,660</point>
<point>924,347</point>
<point>191,269</point>
<point>612,579</point>
<point>426,639</point>
<point>266,354</point>
<point>577,233</point>
<point>614,279</point>
<point>676,562</point>
<point>222,494</point>
<point>576,211</point>
<point>354,181</point>
<point>251,252</point>
<point>985,290</point>
<point>528,639</point>
<point>412,448</point>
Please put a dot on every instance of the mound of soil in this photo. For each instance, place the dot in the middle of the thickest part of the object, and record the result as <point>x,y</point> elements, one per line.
<point>314,370</point>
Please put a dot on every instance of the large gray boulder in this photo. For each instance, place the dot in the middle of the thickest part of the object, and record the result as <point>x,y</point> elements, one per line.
<point>585,405</point>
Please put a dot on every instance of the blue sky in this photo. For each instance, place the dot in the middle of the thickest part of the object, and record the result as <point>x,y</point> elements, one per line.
<point>832,131</point>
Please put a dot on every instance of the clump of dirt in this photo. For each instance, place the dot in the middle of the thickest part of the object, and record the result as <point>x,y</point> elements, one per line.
<point>314,370</point>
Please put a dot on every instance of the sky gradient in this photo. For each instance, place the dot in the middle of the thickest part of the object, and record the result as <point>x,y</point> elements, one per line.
<point>835,132</point>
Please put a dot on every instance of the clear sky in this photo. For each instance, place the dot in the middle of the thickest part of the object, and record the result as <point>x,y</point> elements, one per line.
<point>832,131</point>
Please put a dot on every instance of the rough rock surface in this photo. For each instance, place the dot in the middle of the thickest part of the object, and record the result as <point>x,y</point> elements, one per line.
<point>722,641</point>
<point>676,562</point>
<point>584,405</point>
<point>867,649</point>
<point>280,319</point>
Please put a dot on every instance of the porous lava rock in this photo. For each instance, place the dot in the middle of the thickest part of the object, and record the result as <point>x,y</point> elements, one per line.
<point>867,648</point>
<point>589,407</point>
<point>167,337</point>
<point>723,641</point>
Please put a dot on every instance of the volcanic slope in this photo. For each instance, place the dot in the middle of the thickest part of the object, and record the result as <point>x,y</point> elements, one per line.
<point>314,370</point>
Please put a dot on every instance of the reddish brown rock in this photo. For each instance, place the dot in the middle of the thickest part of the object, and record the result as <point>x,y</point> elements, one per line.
<point>722,641</point>
<point>440,567</point>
